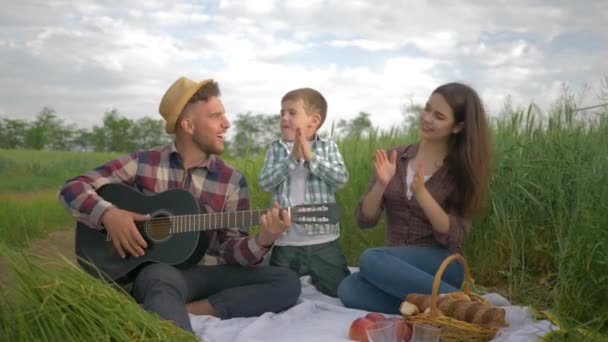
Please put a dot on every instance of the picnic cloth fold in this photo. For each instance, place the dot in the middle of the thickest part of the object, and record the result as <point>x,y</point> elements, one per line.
<point>317,317</point>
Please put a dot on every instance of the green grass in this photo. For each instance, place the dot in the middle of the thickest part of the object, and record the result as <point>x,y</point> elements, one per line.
<point>543,239</point>
<point>29,216</point>
<point>56,301</point>
<point>29,170</point>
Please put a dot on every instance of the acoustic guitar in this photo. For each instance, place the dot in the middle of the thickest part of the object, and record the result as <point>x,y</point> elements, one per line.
<point>175,232</point>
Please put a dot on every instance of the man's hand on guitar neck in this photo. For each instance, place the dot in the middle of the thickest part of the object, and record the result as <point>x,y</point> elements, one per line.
<point>120,224</point>
<point>273,223</point>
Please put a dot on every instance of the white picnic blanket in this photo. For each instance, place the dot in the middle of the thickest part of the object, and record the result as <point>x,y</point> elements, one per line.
<point>317,317</point>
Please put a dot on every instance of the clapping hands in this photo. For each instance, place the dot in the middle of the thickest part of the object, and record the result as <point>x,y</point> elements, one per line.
<point>418,179</point>
<point>385,167</point>
<point>301,148</point>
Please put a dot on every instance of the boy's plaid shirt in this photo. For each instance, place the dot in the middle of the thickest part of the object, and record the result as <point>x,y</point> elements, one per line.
<point>327,175</point>
<point>217,186</point>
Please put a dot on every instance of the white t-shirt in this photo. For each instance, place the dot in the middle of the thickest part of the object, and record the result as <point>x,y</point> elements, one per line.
<point>296,235</point>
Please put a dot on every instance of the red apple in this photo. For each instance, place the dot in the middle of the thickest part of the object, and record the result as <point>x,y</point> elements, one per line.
<point>357,329</point>
<point>402,329</point>
<point>376,317</point>
<point>408,332</point>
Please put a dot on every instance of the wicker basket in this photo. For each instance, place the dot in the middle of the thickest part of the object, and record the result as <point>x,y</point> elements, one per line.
<point>451,328</point>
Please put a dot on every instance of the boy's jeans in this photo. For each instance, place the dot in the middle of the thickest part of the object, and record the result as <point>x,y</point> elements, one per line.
<point>324,262</point>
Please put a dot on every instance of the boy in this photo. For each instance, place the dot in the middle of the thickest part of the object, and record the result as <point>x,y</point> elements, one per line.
<point>303,168</point>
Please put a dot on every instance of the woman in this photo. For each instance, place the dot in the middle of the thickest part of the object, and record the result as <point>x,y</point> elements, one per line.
<point>430,191</point>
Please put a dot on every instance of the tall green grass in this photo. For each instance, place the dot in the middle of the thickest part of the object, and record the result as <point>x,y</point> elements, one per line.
<point>543,239</point>
<point>53,300</point>
<point>546,232</point>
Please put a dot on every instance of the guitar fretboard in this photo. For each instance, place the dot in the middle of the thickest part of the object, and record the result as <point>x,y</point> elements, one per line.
<point>212,221</point>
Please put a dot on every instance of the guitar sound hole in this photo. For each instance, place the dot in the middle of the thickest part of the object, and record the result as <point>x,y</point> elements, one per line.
<point>158,228</point>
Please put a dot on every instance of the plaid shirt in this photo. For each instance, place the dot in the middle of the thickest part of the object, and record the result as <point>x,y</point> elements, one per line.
<point>406,222</point>
<point>217,186</point>
<point>327,174</point>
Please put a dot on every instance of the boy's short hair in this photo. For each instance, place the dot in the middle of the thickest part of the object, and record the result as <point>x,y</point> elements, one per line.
<point>312,99</point>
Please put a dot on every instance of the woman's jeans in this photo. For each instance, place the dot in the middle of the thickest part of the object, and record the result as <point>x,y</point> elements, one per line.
<point>388,274</point>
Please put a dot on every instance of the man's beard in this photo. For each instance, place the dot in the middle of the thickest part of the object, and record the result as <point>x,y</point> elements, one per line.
<point>205,147</point>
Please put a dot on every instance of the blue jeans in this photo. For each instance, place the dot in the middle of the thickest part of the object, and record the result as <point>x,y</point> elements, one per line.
<point>232,290</point>
<point>388,274</point>
<point>324,262</point>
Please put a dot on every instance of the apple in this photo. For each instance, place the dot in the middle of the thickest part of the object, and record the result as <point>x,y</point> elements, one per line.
<point>402,329</point>
<point>376,317</point>
<point>357,329</point>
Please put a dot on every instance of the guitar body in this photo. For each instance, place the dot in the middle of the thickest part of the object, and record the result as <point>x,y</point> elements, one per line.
<point>179,250</point>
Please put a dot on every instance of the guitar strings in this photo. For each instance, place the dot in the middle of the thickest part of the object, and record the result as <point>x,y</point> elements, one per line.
<point>161,224</point>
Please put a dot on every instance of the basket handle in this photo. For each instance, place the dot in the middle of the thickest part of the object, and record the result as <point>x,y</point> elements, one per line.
<point>439,274</point>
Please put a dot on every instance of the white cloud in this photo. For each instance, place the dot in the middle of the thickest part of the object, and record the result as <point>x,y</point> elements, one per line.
<point>86,57</point>
<point>364,44</point>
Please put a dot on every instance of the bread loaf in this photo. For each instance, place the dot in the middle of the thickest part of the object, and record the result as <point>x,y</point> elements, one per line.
<point>459,306</point>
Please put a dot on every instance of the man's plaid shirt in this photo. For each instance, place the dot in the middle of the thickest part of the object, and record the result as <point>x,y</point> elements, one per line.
<point>217,186</point>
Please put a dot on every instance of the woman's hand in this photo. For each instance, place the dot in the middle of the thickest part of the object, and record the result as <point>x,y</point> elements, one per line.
<point>418,180</point>
<point>385,167</point>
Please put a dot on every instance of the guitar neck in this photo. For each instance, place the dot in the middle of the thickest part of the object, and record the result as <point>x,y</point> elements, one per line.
<point>213,221</point>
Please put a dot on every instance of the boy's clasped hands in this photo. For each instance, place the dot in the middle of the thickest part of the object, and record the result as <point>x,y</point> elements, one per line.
<point>301,148</point>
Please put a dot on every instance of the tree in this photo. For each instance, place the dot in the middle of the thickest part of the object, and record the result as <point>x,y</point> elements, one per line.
<point>62,138</point>
<point>411,114</point>
<point>150,132</point>
<point>83,140</point>
<point>357,127</point>
<point>119,132</point>
<point>12,133</point>
<point>47,129</point>
<point>254,133</point>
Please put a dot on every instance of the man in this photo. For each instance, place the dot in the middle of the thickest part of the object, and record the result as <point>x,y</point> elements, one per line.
<point>225,283</point>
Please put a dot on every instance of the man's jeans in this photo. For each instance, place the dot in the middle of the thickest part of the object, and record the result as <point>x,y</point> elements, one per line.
<point>388,274</point>
<point>233,290</point>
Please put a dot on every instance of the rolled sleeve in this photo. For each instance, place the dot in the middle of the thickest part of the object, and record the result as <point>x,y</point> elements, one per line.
<point>236,245</point>
<point>79,196</point>
<point>363,221</point>
<point>97,213</point>
<point>457,233</point>
<point>277,165</point>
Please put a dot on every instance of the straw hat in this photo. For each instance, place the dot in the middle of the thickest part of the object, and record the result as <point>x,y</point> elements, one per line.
<point>176,98</point>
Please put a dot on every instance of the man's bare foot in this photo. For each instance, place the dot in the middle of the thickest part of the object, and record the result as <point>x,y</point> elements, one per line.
<point>201,307</point>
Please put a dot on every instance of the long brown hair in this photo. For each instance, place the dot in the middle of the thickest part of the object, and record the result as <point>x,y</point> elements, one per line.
<point>470,150</point>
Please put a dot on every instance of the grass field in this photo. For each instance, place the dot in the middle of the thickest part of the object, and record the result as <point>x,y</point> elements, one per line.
<point>543,239</point>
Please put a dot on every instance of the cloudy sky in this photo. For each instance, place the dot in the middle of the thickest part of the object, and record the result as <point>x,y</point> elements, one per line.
<point>85,57</point>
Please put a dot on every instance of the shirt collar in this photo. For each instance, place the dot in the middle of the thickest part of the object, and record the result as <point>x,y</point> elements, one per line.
<point>410,151</point>
<point>211,164</point>
<point>315,139</point>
